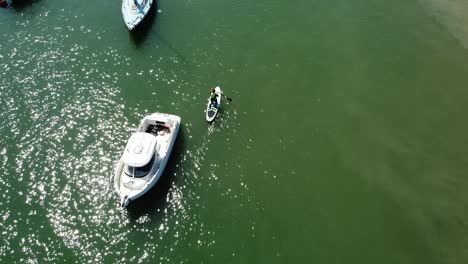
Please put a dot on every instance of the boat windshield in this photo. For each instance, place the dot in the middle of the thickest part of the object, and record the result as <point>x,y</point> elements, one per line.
<point>139,172</point>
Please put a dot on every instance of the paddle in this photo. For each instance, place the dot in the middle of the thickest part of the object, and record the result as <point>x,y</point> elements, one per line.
<point>220,92</point>
<point>230,100</point>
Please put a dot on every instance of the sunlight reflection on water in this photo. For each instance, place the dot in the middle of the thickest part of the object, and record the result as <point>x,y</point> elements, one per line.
<point>65,121</point>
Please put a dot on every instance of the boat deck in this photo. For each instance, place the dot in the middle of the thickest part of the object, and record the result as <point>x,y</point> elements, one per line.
<point>163,137</point>
<point>157,130</point>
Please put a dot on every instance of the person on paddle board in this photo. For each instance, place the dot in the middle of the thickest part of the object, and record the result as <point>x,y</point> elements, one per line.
<point>213,96</point>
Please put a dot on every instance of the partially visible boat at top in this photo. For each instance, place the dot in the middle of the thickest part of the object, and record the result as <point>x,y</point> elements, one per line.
<point>5,3</point>
<point>134,11</point>
<point>145,156</point>
<point>212,107</point>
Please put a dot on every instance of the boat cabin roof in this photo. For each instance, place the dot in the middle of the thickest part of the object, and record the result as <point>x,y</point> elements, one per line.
<point>139,150</point>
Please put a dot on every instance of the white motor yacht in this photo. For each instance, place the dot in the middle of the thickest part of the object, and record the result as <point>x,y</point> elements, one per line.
<point>145,156</point>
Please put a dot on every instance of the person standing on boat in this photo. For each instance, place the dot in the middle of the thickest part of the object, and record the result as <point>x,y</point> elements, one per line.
<point>213,96</point>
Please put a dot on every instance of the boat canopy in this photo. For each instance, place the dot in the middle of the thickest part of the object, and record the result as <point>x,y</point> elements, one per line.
<point>139,150</point>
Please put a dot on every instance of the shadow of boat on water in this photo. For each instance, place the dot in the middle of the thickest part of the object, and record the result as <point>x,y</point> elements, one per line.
<point>140,33</point>
<point>156,199</point>
<point>22,5</point>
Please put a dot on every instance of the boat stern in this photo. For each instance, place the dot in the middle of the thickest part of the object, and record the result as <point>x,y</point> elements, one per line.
<point>169,120</point>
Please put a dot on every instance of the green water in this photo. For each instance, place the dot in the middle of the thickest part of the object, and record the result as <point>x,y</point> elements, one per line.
<point>345,141</point>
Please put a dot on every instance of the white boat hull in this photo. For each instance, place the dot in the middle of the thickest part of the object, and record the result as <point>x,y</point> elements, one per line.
<point>130,188</point>
<point>134,11</point>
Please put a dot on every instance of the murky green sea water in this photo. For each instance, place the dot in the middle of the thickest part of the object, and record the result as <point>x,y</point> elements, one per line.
<point>346,140</point>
